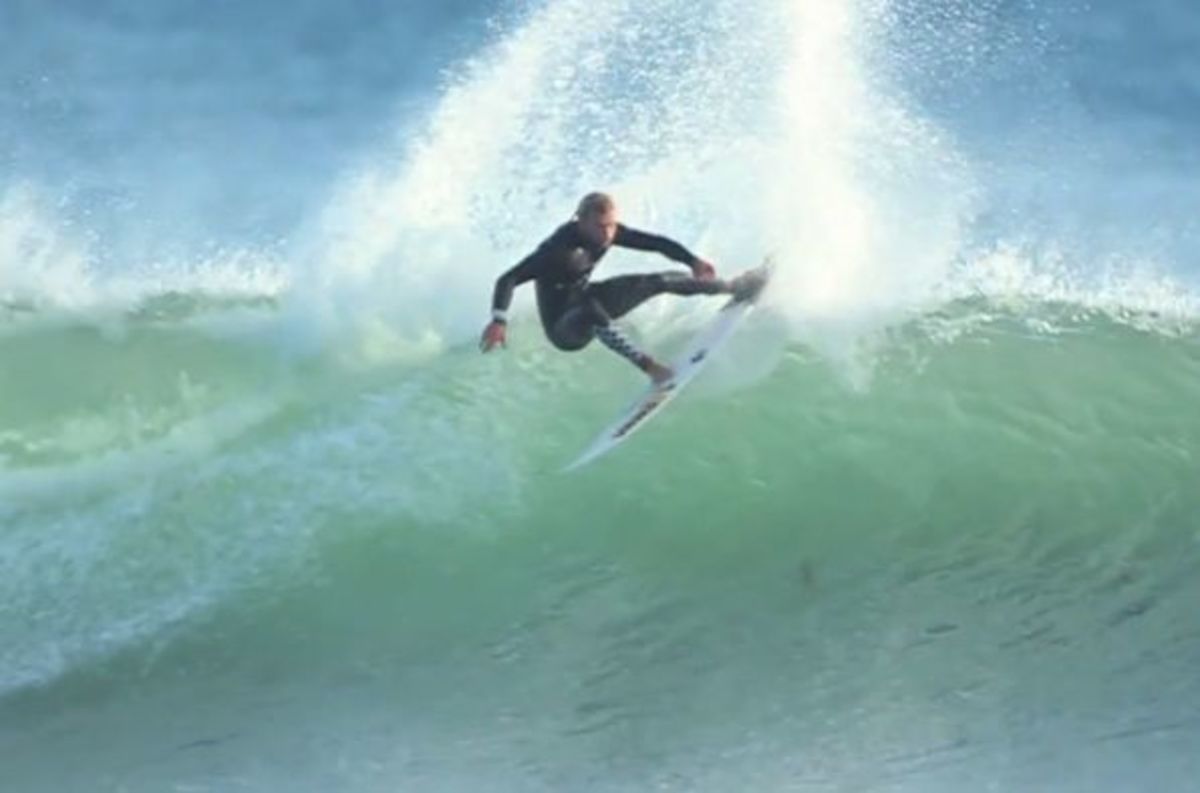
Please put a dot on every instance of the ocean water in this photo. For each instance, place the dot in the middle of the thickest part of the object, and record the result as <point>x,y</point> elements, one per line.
<point>268,521</point>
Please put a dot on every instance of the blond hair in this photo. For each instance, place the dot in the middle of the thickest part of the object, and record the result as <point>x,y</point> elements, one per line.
<point>594,203</point>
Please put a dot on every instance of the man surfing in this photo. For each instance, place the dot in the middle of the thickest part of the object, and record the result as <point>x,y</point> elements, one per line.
<point>574,311</point>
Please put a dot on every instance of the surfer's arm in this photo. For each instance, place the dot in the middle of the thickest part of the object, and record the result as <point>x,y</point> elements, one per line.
<point>644,241</point>
<point>495,334</point>
<point>525,270</point>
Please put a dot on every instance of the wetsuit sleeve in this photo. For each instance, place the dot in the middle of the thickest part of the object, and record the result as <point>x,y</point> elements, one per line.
<point>525,270</point>
<point>642,241</point>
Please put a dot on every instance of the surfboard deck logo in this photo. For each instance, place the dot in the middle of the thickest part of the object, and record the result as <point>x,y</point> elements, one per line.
<point>686,366</point>
<point>648,406</point>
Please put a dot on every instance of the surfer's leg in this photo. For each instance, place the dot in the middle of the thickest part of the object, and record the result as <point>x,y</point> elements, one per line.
<point>567,326</point>
<point>612,338</point>
<point>585,319</point>
<point>571,331</point>
<point>572,324</point>
<point>618,296</point>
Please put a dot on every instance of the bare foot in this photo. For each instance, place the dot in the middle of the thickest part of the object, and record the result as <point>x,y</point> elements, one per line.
<point>659,374</point>
<point>747,285</point>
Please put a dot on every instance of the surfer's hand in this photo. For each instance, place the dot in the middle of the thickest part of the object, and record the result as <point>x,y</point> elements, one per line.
<point>495,333</point>
<point>704,270</point>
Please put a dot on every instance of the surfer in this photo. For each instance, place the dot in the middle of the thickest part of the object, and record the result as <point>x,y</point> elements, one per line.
<point>574,311</point>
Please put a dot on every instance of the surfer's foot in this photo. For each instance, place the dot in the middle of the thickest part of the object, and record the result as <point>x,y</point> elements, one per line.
<point>659,374</point>
<point>747,285</point>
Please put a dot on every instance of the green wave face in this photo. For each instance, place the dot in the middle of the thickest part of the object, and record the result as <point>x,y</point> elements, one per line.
<point>944,560</point>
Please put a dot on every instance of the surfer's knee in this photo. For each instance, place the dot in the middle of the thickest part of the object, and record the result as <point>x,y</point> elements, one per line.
<point>573,331</point>
<point>570,342</point>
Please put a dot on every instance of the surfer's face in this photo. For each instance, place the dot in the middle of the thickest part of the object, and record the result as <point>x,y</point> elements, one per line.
<point>599,228</point>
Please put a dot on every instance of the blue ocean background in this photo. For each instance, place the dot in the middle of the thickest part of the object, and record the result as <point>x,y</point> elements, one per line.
<point>268,521</point>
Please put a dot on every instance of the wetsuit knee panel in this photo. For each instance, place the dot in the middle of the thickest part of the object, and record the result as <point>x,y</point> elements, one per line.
<point>569,342</point>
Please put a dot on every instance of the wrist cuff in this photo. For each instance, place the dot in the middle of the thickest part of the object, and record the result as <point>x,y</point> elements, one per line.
<point>499,315</point>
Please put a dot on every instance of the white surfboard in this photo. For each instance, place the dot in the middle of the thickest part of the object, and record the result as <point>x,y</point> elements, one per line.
<point>689,363</point>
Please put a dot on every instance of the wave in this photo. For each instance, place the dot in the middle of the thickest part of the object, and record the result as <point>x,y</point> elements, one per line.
<point>247,455</point>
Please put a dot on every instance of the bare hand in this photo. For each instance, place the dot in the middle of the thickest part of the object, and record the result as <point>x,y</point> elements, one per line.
<point>495,333</point>
<point>704,270</point>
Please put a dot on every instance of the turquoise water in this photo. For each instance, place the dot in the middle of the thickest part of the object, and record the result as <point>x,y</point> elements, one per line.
<point>268,521</point>
<point>978,569</point>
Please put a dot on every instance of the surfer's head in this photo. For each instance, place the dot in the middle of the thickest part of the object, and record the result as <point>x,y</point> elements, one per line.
<point>597,218</point>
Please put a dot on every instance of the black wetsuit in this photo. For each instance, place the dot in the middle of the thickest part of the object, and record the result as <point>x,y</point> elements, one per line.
<point>574,310</point>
